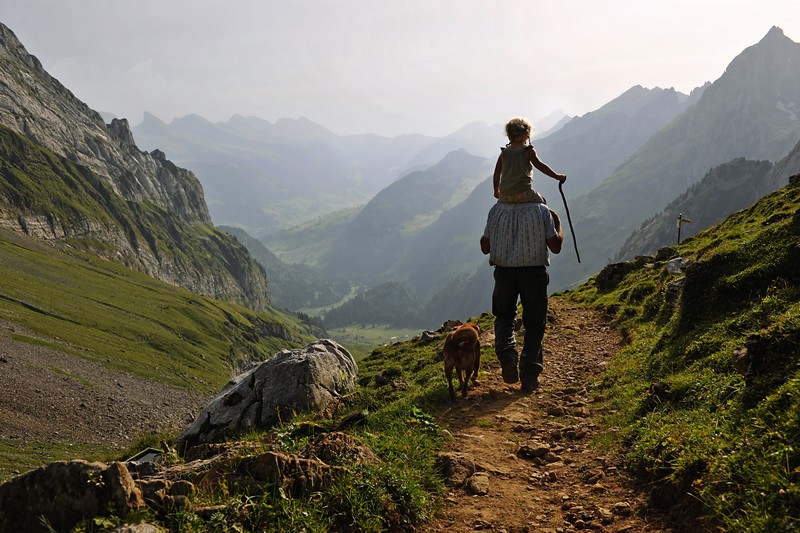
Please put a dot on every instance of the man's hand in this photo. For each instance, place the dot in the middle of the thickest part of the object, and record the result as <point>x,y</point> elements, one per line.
<point>484,244</point>
<point>554,243</point>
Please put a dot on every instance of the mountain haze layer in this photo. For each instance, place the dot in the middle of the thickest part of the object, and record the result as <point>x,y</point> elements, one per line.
<point>264,177</point>
<point>441,261</point>
<point>651,144</point>
<point>380,238</point>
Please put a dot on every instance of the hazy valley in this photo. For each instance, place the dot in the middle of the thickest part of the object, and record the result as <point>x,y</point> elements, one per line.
<point>416,205</point>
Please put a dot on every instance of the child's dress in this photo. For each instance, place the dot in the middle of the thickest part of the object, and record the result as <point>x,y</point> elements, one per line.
<point>516,177</point>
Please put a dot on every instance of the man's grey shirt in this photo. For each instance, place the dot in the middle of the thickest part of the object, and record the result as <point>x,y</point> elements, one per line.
<point>518,234</point>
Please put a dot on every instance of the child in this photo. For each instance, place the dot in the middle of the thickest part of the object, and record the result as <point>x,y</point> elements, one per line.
<point>513,172</point>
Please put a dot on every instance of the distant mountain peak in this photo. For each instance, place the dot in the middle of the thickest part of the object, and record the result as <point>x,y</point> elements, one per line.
<point>149,118</point>
<point>764,59</point>
<point>773,42</point>
<point>191,119</point>
<point>774,33</point>
<point>122,131</point>
<point>699,90</point>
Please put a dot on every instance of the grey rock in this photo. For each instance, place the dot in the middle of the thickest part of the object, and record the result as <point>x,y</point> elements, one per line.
<point>622,509</point>
<point>604,515</point>
<point>122,131</point>
<point>612,275</point>
<point>306,379</point>
<point>478,484</point>
<point>456,467</point>
<point>675,266</point>
<point>534,449</point>
<point>428,336</point>
<point>63,493</point>
<point>664,253</point>
<point>297,475</point>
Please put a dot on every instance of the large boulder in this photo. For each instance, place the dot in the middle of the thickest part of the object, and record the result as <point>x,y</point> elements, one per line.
<point>59,495</point>
<point>305,379</point>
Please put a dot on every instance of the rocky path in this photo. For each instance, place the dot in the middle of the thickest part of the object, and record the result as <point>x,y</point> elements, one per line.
<point>536,467</point>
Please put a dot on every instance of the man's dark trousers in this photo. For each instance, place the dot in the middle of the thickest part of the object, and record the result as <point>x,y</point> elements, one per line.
<point>530,285</point>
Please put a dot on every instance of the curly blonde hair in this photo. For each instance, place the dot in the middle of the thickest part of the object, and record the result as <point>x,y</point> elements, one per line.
<point>518,127</point>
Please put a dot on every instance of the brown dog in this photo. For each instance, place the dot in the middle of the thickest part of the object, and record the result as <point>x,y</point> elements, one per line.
<point>462,351</point>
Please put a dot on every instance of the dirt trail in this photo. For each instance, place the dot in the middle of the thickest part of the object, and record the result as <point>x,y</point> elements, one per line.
<point>572,486</point>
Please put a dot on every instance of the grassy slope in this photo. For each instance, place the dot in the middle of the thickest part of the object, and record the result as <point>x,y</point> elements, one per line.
<point>684,414</point>
<point>128,322</point>
<point>107,313</point>
<point>310,243</point>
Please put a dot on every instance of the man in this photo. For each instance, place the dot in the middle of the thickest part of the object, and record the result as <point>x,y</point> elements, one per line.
<point>517,238</point>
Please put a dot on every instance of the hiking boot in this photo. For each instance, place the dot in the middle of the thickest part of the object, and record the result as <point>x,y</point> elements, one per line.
<point>510,371</point>
<point>529,385</point>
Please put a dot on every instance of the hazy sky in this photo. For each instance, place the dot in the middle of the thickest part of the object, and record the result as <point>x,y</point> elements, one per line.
<point>383,66</point>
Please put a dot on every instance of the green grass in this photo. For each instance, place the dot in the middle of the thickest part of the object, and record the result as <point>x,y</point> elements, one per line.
<point>686,417</point>
<point>126,321</point>
<point>360,341</point>
<point>86,383</point>
<point>18,455</point>
<point>310,242</point>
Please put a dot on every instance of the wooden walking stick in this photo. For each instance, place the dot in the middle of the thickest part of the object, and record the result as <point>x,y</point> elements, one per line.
<point>569,219</point>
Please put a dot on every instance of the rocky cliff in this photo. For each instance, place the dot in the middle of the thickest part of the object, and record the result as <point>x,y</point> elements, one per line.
<point>159,221</point>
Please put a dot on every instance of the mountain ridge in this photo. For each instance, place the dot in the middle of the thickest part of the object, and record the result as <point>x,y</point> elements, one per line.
<point>383,231</point>
<point>607,136</point>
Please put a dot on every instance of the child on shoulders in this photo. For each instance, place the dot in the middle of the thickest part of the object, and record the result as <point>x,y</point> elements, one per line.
<point>513,174</point>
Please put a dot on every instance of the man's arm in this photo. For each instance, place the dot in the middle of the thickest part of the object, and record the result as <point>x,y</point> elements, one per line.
<point>485,248</point>
<point>554,243</point>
